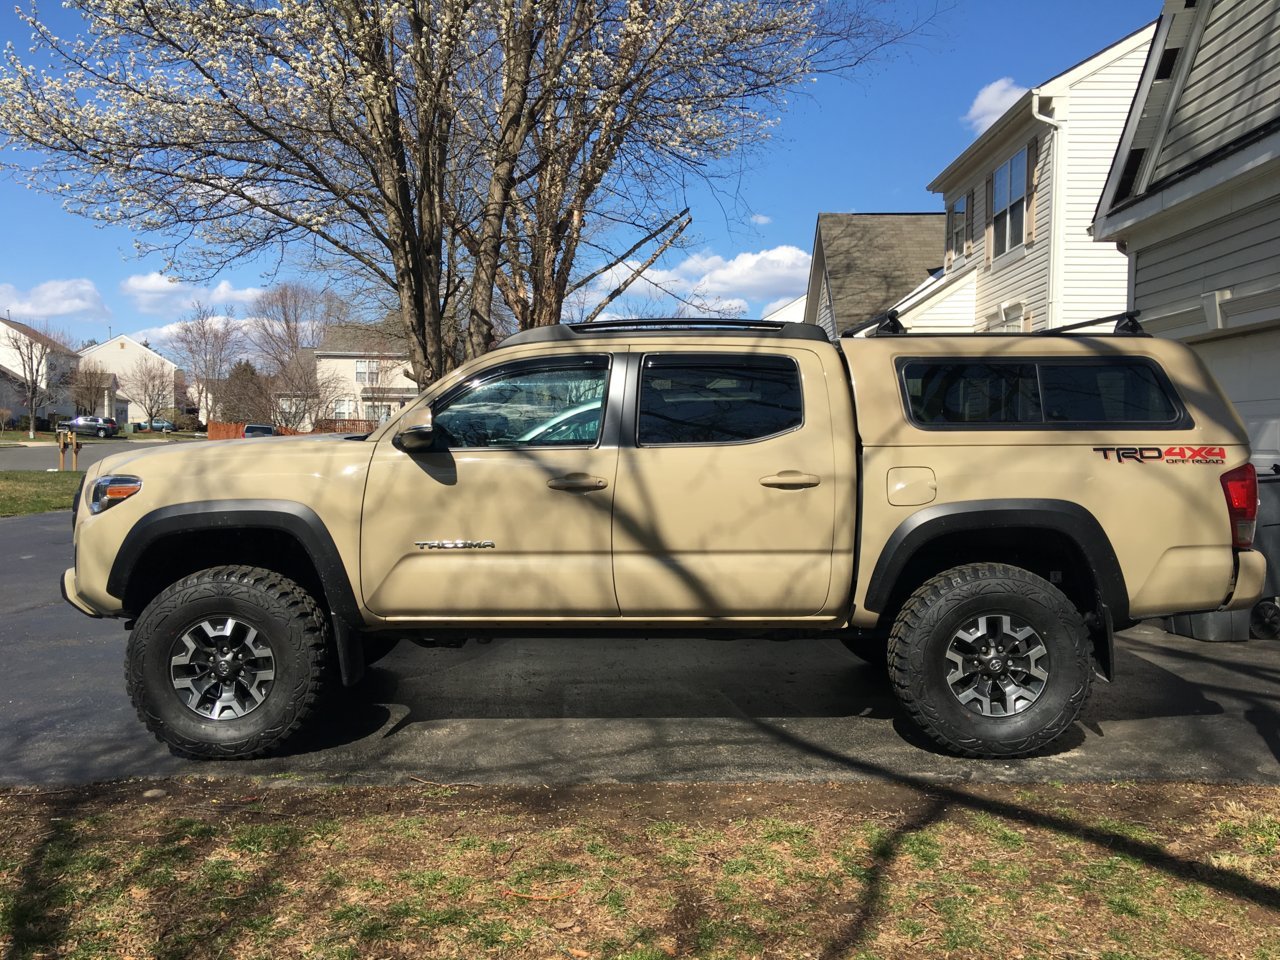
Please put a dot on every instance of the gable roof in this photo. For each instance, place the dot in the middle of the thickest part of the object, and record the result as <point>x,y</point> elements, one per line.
<point>384,339</point>
<point>87,351</point>
<point>870,261</point>
<point>1204,97</point>
<point>1025,108</point>
<point>33,334</point>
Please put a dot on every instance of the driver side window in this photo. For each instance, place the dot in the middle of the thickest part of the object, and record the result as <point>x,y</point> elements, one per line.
<point>532,404</point>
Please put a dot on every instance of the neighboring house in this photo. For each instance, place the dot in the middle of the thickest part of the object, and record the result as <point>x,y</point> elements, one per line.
<point>1193,196</point>
<point>365,369</point>
<point>1017,254</point>
<point>120,356</point>
<point>863,263</point>
<point>790,312</point>
<point>55,377</point>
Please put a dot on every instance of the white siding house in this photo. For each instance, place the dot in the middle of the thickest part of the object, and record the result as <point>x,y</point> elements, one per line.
<point>1193,195</point>
<point>1020,201</point>
<point>120,356</point>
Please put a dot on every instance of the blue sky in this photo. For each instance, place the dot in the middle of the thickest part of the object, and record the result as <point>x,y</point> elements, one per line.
<point>866,145</point>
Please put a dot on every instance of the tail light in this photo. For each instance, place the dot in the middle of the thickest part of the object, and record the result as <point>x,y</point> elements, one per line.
<point>1241,489</point>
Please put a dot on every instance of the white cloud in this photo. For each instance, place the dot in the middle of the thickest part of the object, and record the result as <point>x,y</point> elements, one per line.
<point>760,220</point>
<point>158,295</point>
<point>992,101</point>
<point>54,298</point>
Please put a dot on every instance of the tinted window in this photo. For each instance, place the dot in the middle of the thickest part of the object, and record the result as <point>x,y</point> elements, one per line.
<point>972,392</point>
<point>1069,393</point>
<point>1104,393</point>
<point>533,404</point>
<point>701,399</point>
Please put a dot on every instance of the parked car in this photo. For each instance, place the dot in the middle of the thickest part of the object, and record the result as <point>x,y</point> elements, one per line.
<point>161,425</point>
<point>258,430</point>
<point>93,426</point>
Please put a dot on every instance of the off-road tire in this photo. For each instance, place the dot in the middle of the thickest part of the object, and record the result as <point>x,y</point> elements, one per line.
<point>942,606</point>
<point>284,615</point>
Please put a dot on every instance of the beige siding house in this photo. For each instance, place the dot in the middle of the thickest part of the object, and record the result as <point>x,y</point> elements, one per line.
<point>366,370</point>
<point>1020,200</point>
<point>1193,195</point>
<point>120,356</point>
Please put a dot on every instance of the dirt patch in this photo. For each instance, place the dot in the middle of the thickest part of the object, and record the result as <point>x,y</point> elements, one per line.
<point>196,868</point>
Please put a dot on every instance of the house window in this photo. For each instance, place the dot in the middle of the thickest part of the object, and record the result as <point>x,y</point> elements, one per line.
<point>367,371</point>
<point>957,226</point>
<point>343,409</point>
<point>377,411</point>
<point>1009,192</point>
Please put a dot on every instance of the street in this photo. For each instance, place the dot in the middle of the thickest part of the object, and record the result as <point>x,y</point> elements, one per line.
<point>44,456</point>
<point>553,711</point>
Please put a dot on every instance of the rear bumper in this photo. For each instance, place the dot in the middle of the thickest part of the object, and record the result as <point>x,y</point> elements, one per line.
<point>69,594</point>
<point>1251,574</point>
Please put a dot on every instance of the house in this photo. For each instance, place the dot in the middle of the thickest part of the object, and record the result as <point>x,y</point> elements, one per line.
<point>863,263</point>
<point>365,369</point>
<point>136,368</point>
<point>1193,197</point>
<point>1017,254</point>
<point>22,350</point>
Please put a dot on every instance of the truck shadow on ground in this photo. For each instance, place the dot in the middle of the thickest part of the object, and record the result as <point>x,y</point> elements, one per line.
<point>688,679</point>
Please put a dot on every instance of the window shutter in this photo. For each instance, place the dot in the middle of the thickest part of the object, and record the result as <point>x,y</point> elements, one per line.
<point>988,237</point>
<point>1033,165</point>
<point>968,224</point>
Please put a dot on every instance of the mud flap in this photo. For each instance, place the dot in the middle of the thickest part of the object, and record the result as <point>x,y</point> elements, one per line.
<point>350,651</point>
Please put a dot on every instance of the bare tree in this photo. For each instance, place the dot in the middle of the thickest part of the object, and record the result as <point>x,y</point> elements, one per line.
<point>395,138</point>
<point>43,362</point>
<point>149,384</point>
<point>88,384</point>
<point>288,323</point>
<point>206,343</point>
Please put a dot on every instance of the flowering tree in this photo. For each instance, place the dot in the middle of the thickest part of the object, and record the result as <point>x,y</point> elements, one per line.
<point>432,147</point>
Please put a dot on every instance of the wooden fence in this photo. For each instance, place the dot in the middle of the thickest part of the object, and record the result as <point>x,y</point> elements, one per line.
<point>233,431</point>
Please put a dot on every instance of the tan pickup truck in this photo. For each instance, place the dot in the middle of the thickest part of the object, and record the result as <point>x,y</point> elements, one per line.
<point>981,511</point>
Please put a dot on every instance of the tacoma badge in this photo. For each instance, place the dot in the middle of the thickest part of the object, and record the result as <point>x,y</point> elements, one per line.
<point>455,544</point>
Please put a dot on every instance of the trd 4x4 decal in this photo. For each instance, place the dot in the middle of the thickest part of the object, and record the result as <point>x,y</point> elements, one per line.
<point>1216,455</point>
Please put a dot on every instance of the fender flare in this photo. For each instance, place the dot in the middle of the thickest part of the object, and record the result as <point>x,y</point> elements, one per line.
<point>1061,516</point>
<point>295,519</point>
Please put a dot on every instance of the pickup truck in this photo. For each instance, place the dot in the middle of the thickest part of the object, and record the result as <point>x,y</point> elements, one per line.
<point>981,512</point>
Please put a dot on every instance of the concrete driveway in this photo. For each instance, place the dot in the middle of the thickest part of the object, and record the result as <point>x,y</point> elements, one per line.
<point>566,711</point>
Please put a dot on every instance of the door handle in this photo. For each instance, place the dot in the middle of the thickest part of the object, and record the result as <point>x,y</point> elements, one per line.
<point>578,481</point>
<point>791,480</point>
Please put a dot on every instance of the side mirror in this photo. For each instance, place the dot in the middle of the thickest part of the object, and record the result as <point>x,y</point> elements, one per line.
<point>417,432</point>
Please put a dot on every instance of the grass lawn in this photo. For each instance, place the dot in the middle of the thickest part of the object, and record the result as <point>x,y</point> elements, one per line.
<point>35,491</point>
<point>270,869</point>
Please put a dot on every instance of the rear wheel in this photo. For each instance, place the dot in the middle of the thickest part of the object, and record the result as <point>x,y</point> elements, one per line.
<point>228,662</point>
<point>101,432</point>
<point>1264,620</point>
<point>990,660</point>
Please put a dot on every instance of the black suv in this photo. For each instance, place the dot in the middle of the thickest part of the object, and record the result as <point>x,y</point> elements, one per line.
<point>97,426</point>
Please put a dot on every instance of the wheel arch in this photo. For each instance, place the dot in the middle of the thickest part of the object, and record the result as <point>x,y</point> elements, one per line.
<point>281,535</point>
<point>1058,540</point>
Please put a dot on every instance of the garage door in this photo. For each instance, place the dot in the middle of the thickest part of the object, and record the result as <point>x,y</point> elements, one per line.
<point>1248,367</point>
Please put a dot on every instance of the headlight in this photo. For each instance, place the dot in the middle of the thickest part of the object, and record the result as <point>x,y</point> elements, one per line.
<point>108,491</point>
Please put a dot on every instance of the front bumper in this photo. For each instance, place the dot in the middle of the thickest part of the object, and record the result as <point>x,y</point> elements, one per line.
<point>70,595</point>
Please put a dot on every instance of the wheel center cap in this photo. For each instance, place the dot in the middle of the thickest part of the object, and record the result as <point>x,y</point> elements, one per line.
<point>995,665</point>
<point>223,668</point>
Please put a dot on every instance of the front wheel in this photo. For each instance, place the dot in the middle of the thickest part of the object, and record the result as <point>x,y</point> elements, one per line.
<point>102,434</point>
<point>990,660</point>
<point>228,662</point>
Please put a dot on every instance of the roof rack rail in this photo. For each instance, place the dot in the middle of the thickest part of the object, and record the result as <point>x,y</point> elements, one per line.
<point>1126,325</point>
<point>668,325</point>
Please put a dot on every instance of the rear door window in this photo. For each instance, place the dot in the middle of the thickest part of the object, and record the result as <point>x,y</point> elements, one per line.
<point>716,398</point>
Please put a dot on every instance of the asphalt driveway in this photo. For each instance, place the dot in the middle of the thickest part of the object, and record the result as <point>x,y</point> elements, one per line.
<point>567,711</point>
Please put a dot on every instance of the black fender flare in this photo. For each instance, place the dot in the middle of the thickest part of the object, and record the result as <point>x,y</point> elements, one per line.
<point>295,519</point>
<point>1061,516</point>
